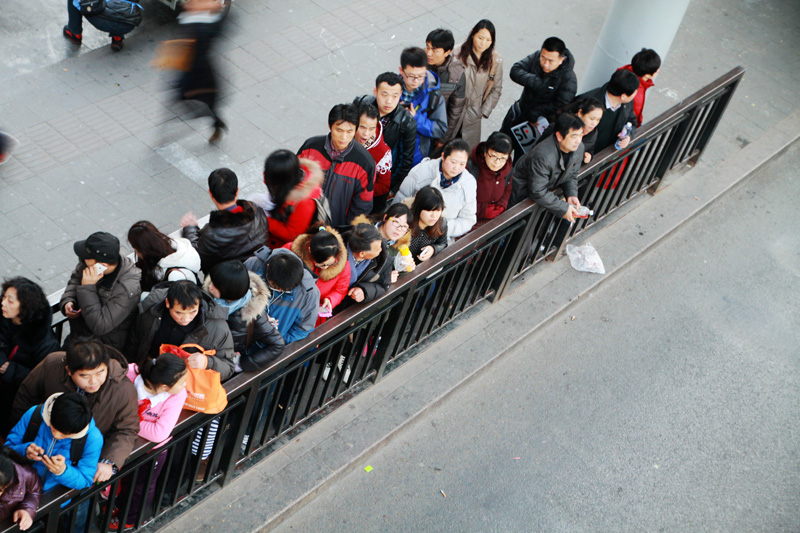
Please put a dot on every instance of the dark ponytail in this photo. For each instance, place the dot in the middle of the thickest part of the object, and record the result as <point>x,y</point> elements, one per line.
<point>8,474</point>
<point>167,369</point>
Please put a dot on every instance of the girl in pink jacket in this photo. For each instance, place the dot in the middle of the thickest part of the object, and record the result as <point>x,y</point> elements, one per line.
<point>161,387</point>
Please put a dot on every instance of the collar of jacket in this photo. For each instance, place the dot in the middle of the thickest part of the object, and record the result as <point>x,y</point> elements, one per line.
<point>480,162</point>
<point>300,247</point>
<point>226,218</point>
<point>116,372</point>
<point>259,303</point>
<point>329,146</point>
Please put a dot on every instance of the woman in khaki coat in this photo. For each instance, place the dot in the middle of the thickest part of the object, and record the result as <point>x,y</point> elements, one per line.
<point>484,76</point>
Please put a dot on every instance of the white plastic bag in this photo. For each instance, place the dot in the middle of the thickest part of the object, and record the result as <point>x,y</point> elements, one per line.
<point>584,258</point>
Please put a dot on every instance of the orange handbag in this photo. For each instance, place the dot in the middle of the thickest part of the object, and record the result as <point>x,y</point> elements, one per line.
<point>204,389</point>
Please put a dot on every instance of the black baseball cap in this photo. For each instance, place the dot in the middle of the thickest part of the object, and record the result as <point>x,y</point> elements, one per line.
<point>100,246</point>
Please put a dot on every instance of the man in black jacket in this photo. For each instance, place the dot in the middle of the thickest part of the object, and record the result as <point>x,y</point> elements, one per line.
<point>370,264</point>
<point>399,127</point>
<point>549,83</point>
<point>553,163</point>
<point>617,98</point>
<point>180,313</point>
<point>234,231</point>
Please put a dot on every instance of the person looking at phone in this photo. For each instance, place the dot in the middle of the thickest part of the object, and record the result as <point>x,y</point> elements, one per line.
<point>63,418</point>
<point>102,292</point>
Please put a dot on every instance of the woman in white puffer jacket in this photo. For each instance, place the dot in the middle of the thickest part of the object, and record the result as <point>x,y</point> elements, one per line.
<point>162,258</point>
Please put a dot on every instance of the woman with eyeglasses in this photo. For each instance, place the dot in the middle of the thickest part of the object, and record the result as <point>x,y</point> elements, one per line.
<point>394,227</point>
<point>490,163</point>
<point>323,252</point>
<point>484,77</point>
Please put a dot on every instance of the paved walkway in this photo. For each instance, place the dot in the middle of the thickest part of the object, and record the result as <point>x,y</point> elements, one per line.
<point>669,403</point>
<point>103,146</point>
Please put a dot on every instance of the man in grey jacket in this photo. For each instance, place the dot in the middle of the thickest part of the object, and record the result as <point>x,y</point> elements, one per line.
<point>102,292</point>
<point>553,163</point>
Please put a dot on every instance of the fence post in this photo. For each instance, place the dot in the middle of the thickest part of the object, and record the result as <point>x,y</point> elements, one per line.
<point>519,246</point>
<point>398,322</point>
<point>715,118</point>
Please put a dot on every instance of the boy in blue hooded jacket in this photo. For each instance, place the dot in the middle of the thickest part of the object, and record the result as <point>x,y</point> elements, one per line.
<point>64,417</point>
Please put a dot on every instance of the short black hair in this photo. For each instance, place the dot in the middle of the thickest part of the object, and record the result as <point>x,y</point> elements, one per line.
<point>184,292</point>
<point>499,142</point>
<point>343,113</point>
<point>456,145</point>
<point>623,82</point>
<point>367,109</point>
<point>33,304</point>
<point>323,244</point>
<point>554,44</point>
<point>86,354</point>
<point>567,122</point>
<point>414,57</point>
<point>390,78</point>
<point>70,413</point>
<point>231,279</point>
<point>223,185</point>
<point>441,38</point>
<point>646,61</point>
<point>284,271</point>
<point>362,236</point>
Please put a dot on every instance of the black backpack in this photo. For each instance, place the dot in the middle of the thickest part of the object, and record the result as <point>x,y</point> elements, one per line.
<point>92,7</point>
<point>76,448</point>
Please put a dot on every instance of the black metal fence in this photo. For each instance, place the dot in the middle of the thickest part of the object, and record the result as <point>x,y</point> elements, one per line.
<point>352,350</point>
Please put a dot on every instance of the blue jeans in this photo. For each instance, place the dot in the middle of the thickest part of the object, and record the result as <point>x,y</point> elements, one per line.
<point>75,23</point>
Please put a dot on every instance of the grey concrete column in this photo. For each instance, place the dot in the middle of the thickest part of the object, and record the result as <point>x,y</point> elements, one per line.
<point>630,26</point>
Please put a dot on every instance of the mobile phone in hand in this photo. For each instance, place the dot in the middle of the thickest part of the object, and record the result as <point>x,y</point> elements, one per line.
<point>99,268</point>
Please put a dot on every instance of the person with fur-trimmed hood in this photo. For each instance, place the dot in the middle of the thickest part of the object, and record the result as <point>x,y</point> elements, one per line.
<point>245,297</point>
<point>324,254</point>
<point>293,185</point>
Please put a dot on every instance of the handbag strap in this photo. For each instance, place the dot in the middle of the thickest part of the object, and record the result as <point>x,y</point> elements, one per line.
<point>491,78</point>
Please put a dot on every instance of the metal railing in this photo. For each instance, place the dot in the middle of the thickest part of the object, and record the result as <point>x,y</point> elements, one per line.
<point>352,350</point>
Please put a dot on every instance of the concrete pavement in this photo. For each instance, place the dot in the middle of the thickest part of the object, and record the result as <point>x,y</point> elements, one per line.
<point>103,146</point>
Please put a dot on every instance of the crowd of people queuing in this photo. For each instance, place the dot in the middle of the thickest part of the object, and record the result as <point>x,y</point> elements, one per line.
<point>401,172</point>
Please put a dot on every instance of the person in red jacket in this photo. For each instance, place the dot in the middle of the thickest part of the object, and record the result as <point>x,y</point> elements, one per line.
<point>293,185</point>
<point>645,64</point>
<point>323,253</point>
<point>490,163</point>
<point>370,135</point>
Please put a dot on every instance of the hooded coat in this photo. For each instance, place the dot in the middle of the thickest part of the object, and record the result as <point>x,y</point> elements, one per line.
<point>229,234</point>
<point>106,312</point>
<point>184,262</point>
<point>299,207</point>
<point>266,344</point>
<point>476,107</point>
<point>74,477</point>
<point>212,333</point>
<point>544,93</point>
<point>113,405</point>
<point>494,188</point>
<point>332,282</point>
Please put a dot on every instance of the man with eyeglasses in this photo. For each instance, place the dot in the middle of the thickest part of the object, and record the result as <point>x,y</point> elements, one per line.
<point>422,97</point>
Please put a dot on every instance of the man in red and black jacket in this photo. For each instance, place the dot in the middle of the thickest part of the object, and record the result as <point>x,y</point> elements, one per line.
<point>348,167</point>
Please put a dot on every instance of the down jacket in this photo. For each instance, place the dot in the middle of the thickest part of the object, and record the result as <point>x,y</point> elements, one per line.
<point>460,198</point>
<point>113,406</point>
<point>299,207</point>
<point>543,94</point>
<point>267,343</point>
<point>23,494</point>
<point>229,235</point>
<point>494,188</point>
<point>332,282</point>
<point>211,334</point>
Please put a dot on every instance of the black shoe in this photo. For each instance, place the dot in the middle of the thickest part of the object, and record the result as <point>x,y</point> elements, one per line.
<point>219,127</point>
<point>72,37</point>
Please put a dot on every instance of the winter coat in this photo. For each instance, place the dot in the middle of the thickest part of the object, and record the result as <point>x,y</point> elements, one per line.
<point>33,340</point>
<point>184,262</point>
<point>431,116</point>
<point>543,94</point>
<point>453,86</point>
<point>333,282</point>
<point>211,334</point>
<point>588,140</point>
<point>23,494</point>
<point>156,422</point>
<point>299,206</point>
<point>460,198</point>
<point>624,115</point>
<point>113,405</point>
<point>296,311</point>
<point>382,155</point>
<point>229,235</point>
<point>638,100</point>
<point>400,133</point>
<point>475,106</point>
<point>377,277</point>
<point>540,171</point>
<point>423,239</point>
<point>106,312</point>
<point>494,188</point>
<point>266,343</point>
<point>349,179</point>
<point>76,477</point>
